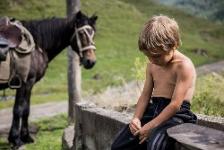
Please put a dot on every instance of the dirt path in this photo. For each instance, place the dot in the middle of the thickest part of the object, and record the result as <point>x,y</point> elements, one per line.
<point>52,109</point>
<point>37,112</point>
<point>214,67</point>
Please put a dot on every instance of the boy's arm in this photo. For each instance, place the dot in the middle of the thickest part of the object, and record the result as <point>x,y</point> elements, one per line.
<point>145,95</point>
<point>185,76</point>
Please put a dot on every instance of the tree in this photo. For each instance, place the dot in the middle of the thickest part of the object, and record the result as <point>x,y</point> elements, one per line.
<point>74,70</point>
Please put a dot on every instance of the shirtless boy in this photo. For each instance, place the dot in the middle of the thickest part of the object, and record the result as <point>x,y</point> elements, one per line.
<point>167,93</point>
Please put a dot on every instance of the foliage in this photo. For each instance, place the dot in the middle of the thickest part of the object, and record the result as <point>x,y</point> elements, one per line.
<point>139,70</point>
<point>208,98</point>
<point>211,9</point>
<point>140,67</point>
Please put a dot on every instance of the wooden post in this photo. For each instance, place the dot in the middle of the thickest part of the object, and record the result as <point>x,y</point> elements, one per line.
<point>74,70</point>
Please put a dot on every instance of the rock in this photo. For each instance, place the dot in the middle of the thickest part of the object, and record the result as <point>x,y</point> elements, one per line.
<point>67,138</point>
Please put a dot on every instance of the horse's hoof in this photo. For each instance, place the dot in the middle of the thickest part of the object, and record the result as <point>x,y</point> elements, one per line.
<point>18,147</point>
<point>27,139</point>
<point>15,142</point>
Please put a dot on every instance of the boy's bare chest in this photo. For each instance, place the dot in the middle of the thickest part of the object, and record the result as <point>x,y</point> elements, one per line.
<point>164,76</point>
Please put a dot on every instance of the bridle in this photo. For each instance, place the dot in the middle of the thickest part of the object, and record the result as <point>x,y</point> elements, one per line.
<point>91,44</point>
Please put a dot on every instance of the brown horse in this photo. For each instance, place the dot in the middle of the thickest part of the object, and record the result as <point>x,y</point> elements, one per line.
<point>51,36</point>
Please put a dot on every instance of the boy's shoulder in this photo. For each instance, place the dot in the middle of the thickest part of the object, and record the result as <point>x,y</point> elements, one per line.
<point>184,64</point>
<point>182,61</point>
<point>179,62</point>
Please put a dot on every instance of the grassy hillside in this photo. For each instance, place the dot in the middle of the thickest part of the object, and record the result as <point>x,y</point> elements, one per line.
<point>116,39</point>
<point>211,9</point>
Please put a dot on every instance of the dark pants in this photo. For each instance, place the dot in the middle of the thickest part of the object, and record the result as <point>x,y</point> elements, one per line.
<point>158,138</point>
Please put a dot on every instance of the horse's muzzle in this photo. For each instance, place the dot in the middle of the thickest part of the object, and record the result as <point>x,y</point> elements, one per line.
<point>88,64</point>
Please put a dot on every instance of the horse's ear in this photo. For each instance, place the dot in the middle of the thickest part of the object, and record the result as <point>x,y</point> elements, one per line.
<point>93,19</point>
<point>79,15</point>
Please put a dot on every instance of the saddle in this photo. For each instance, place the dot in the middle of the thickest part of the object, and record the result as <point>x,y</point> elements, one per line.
<point>16,44</point>
<point>9,34</point>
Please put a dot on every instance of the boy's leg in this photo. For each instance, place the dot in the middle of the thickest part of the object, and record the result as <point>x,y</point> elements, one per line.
<point>159,139</point>
<point>125,140</point>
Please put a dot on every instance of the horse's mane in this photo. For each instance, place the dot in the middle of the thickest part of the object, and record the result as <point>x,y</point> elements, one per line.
<point>49,31</point>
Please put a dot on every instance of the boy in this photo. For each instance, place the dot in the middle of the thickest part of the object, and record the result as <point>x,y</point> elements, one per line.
<point>170,82</point>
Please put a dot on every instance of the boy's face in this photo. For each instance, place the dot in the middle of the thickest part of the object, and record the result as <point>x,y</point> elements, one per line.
<point>159,57</point>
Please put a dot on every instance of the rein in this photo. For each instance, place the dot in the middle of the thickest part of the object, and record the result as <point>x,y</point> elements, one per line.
<point>90,36</point>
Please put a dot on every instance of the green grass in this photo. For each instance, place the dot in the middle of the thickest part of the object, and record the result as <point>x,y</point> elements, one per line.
<point>38,99</point>
<point>116,40</point>
<point>49,135</point>
<point>208,97</point>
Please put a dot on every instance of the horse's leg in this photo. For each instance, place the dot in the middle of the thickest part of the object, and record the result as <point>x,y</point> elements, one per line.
<point>21,110</point>
<point>25,134</point>
<point>14,136</point>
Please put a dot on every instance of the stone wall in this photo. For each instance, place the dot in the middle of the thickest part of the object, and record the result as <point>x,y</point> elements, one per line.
<point>96,127</point>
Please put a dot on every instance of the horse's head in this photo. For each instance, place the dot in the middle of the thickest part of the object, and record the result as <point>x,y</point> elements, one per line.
<point>82,39</point>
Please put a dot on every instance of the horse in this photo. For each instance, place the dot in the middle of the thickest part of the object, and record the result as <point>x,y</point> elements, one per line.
<point>50,36</point>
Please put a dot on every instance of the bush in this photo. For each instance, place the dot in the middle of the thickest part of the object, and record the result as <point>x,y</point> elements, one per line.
<point>208,98</point>
<point>206,103</point>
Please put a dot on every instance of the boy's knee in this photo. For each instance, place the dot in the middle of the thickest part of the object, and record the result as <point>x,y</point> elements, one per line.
<point>114,147</point>
<point>158,142</point>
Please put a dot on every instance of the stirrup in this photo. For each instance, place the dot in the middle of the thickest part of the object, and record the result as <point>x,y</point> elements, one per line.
<point>15,82</point>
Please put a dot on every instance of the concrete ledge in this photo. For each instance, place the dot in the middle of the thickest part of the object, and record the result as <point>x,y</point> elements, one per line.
<point>211,122</point>
<point>194,137</point>
<point>96,127</point>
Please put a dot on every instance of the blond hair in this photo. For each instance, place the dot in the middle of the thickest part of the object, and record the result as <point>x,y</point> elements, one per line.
<point>160,32</point>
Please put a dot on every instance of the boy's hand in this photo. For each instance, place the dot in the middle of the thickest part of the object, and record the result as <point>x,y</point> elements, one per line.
<point>135,125</point>
<point>143,133</point>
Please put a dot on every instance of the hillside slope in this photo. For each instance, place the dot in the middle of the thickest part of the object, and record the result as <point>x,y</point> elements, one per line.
<point>116,39</point>
<point>211,9</point>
